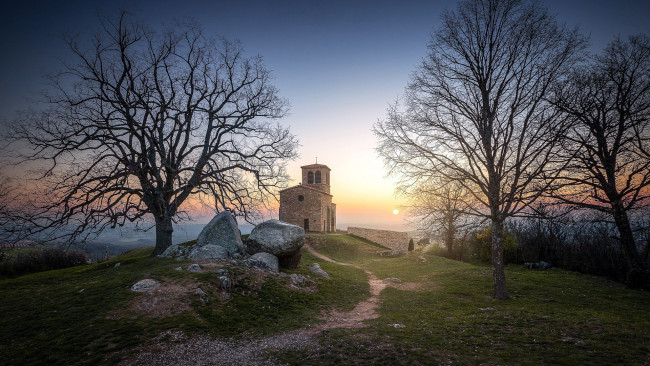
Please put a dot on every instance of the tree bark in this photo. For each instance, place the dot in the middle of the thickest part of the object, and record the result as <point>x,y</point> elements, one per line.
<point>164,230</point>
<point>500,291</point>
<point>637,275</point>
<point>449,240</point>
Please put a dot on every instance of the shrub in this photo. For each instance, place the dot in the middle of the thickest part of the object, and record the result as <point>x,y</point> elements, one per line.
<point>578,243</point>
<point>423,241</point>
<point>480,244</point>
<point>39,260</point>
<point>586,247</point>
<point>411,245</point>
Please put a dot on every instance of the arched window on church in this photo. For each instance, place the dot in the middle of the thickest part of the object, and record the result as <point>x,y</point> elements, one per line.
<point>310,178</point>
<point>318,180</point>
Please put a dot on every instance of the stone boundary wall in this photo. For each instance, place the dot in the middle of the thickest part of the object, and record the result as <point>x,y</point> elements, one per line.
<point>394,240</point>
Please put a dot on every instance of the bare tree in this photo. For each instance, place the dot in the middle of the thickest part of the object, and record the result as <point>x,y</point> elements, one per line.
<point>14,219</point>
<point>439,207</point>
<point>476,112</point>
<point>606,150</point>
<point>140,121</point>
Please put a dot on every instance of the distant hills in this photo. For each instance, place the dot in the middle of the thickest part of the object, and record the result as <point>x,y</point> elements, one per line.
<point>118,241</point>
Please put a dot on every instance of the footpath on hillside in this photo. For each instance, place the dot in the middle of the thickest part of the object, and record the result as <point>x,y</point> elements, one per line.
<point>205,350</point>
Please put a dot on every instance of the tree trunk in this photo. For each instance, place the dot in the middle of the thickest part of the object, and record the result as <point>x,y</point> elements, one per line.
<point>500,292</point>
<point>164,230</point>
<point>637,275</point>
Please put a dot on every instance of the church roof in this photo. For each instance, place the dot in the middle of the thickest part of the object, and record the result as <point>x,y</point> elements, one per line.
<point>315,166</point>
<point>305,186</point>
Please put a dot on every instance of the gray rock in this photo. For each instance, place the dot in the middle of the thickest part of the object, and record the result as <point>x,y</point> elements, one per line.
<point>209,251</point>
<point>145,285</point>
<point>540,266</point>
<point>265,261</point>
<point>279,238</point>
<point>222,272</point>
<point>175,251</point>
<point>194,268</point>
<point>390,253</point>
<point>222,231</point>
<point>178,268</point>
<point>202,295</point>
<point>118,264</point>
<point>226,283</point>
<point>298,279</point>
<point>315,269</point>
<point>422,259</point>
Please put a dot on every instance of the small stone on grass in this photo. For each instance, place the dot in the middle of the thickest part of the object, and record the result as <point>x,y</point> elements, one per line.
<point>145,285</point>
<point>315,269</point>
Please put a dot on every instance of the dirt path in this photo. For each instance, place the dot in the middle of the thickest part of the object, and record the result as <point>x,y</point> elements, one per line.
<point>204,350</point>
<point>365,310</point>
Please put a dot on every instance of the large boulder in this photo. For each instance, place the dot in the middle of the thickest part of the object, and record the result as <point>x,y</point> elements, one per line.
<point>222,231</point>
<point>279,238</point>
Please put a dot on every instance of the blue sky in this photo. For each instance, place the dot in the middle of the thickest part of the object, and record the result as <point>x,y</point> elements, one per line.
<point>339,63</point>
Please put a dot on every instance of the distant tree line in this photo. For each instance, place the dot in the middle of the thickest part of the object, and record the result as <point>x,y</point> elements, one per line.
<point>507,116</point>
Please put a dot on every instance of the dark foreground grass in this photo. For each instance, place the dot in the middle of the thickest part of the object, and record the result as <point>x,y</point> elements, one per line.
<point>553,317</point>
<point>81,315</point>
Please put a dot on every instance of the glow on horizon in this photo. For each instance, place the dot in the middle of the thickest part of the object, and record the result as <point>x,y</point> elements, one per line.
<point>339,64</point>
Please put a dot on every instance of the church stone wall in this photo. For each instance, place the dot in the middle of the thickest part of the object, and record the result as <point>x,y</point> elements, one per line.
<point>295,211</point>
<point>310,201</point>
<point>394,240</point>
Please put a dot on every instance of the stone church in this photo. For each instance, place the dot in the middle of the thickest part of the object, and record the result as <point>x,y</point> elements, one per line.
<point>309,204</point>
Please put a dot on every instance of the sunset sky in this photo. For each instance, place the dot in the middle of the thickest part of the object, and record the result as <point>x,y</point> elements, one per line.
<point>339,63</point>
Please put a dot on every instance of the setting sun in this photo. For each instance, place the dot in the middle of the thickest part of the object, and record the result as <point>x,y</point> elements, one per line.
<point>395,211</point>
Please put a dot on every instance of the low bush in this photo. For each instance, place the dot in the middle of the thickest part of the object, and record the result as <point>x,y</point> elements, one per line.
<point>579,244</point>
<point>586,247</point>
<point>42,259</point>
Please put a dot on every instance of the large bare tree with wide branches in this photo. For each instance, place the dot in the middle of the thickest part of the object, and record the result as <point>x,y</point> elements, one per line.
<point>139,121</point>
<point>476,112</point>
<point>607,149</point>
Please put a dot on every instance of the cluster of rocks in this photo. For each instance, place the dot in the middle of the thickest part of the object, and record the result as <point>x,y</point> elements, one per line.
<point>539,266</point>
<point>271,245</point>
<point>390,253</point>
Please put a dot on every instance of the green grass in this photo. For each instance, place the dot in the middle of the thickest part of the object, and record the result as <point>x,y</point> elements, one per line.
<point>346,248</point>
<point>553,317</point>
<point>68,316</point>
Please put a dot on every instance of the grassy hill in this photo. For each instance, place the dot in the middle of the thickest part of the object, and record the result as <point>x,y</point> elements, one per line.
<point>439,311</point>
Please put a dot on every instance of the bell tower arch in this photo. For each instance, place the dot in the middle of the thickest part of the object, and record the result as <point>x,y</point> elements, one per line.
<point>316,176</point>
